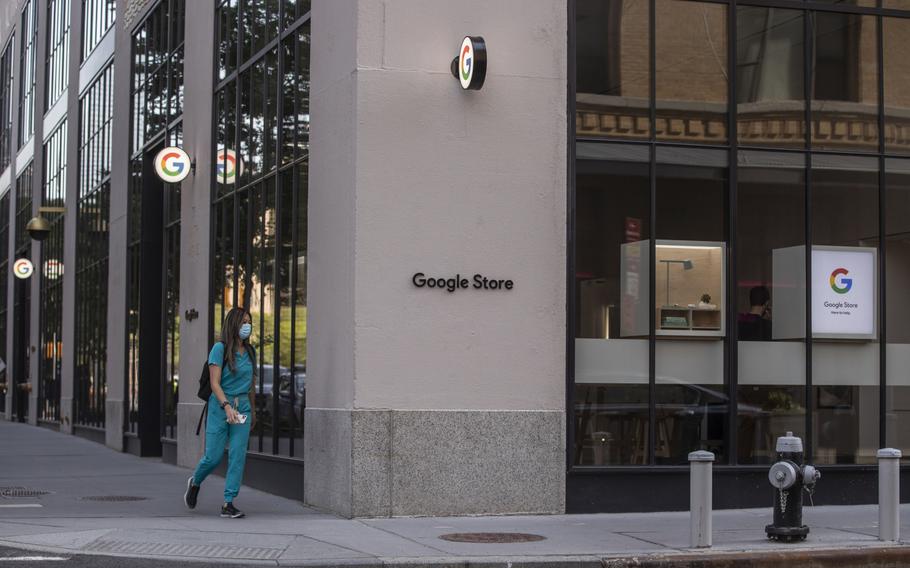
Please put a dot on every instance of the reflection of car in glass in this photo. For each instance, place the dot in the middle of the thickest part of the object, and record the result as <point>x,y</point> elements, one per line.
<point>291,403</point>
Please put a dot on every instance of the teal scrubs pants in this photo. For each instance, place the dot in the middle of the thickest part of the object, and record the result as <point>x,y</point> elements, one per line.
<point>218,434</point>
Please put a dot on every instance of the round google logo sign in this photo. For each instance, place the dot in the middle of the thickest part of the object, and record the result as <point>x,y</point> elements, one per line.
<point>23,268</point>
<point>470,67</point>
<point>846,283</point>
<point>227,167</point>
<point>172,164</point>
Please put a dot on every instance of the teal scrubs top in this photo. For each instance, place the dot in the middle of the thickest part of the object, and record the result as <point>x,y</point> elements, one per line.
<point>236,381</point>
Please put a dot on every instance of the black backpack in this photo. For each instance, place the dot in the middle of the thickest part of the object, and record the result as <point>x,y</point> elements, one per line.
<point>205,385</point>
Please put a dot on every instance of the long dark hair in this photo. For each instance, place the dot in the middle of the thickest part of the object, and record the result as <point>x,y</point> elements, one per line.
<point>230,334</point>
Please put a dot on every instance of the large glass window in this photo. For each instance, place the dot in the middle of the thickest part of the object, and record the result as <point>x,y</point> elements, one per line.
<point>896,67</point>
<point>51,274</point>
<point>613,69</point>
<point>157,107</point>
<point>58,34</point>
<point>611,314</point>
<point>4,288</point>
<point>691,71</point>
<point>770,301</point>
<point>28,38</point>
<point>6,104</point>
<point>93,212</point>
<point>745,268</point>
<point>770,76</point>
<point>259,204</point>
<point>97,17</point>
<point>897,267</point>
<point>844,87</point>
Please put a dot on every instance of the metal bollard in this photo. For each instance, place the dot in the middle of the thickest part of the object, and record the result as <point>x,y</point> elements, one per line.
<point>889,483</point>
<point>701,465</point>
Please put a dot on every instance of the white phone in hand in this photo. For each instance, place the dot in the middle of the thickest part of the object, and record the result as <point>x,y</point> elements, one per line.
<point>241,418</point>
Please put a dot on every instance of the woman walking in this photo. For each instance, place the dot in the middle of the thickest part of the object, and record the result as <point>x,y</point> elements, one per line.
<point>231,363</point>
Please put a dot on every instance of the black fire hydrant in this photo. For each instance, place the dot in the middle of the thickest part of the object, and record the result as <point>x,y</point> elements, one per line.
<point>790,476</point>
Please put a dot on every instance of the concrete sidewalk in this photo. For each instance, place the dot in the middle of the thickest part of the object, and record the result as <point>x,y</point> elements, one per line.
<point>103,502</point>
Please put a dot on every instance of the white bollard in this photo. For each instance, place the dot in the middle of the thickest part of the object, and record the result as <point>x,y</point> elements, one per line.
<point>889,494</point>
<point>701,465</point>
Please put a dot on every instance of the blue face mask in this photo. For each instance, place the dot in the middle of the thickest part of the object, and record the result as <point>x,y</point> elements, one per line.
<point>245,331</point>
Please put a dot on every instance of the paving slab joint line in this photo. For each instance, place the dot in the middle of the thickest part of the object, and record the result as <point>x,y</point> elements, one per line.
<point>885,556</point>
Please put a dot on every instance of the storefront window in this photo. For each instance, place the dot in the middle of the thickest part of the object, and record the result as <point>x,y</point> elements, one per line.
<point>613,69</point>
<point>690,273</point>
<point>770,304</point>
<point>57,64</point>
<point>844,84</point>
<point>97,17</point>
<point>770,78</point>
<point>50,273</point>
<point>28,37</point>
<point>896,39</point>
<point>6,104</point>
<point>691,71</point>
<point>612,287</point>
<point>93,212</point>
<point>897,268</point>
<point>4,288</point>
<point>845,351</point>
<point>259,205</point>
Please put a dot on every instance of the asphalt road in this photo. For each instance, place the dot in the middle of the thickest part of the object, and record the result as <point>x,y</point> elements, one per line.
<point>17,558</point>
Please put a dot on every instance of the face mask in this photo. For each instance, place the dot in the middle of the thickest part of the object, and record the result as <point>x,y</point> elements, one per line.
<point>245,330</point>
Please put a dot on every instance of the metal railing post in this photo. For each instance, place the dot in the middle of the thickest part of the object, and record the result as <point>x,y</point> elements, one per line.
<point>889,494</point>
<point>701,466</point>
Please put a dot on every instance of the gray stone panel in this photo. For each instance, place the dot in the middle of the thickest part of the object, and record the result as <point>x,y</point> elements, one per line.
<point>113,422</point>
<point>327,459</point>
<point>190,446</point>
<point>371,473</point>
<point>478,462</point>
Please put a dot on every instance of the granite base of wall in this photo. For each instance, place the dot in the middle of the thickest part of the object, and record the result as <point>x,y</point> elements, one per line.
<point>113,424</point>
<point>189,446</point>
<point>380,463</point>
<point>66,415</point>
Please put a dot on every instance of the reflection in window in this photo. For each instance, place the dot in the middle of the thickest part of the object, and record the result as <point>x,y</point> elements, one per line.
<point>50,272</point>
<point>769,76</point>
<point>28,37</point>
<point>92,215</point>
<point>692,404</point>
<point>259,206</point>
<point>844,81</point>
<point>897,261</point>
<point>97,18</point>
<point>22,296</point>
<point>691,71</point>
<point>896,38</point>
<point>57,64</point>
<point>612,287</point>
<point>771,355</point>
<point>6,104</point>
<point>845,374</point>
<point>613,69</point>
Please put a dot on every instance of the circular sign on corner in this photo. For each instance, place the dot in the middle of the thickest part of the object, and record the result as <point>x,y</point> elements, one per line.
<point>23,268</point>
<point>53,269</point>
<point>227,166</point>
<point>472,63</point>
<point>172,164</point>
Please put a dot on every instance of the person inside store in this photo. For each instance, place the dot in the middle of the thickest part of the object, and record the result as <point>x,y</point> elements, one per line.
<point>755,325</point>
<point>231,362</point>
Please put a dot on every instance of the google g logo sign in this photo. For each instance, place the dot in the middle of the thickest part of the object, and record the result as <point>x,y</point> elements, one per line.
<point>470,67</point>
<point>847,283</point>
<point>172,164</point>
<point>23,268</point>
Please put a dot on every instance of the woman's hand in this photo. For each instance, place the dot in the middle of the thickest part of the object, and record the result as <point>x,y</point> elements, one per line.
<point>231,414</point>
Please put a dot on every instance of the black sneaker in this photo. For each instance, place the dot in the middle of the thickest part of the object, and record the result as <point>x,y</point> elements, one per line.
<point>192,492</point>
<point>229,510</point>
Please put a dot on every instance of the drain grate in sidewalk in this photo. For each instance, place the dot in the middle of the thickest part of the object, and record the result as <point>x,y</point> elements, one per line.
<point>189,550</point>
<point>13,492</point>
<point>492,538</point>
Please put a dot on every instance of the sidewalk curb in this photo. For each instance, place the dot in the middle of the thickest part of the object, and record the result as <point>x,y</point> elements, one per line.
<point>890,555</point>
